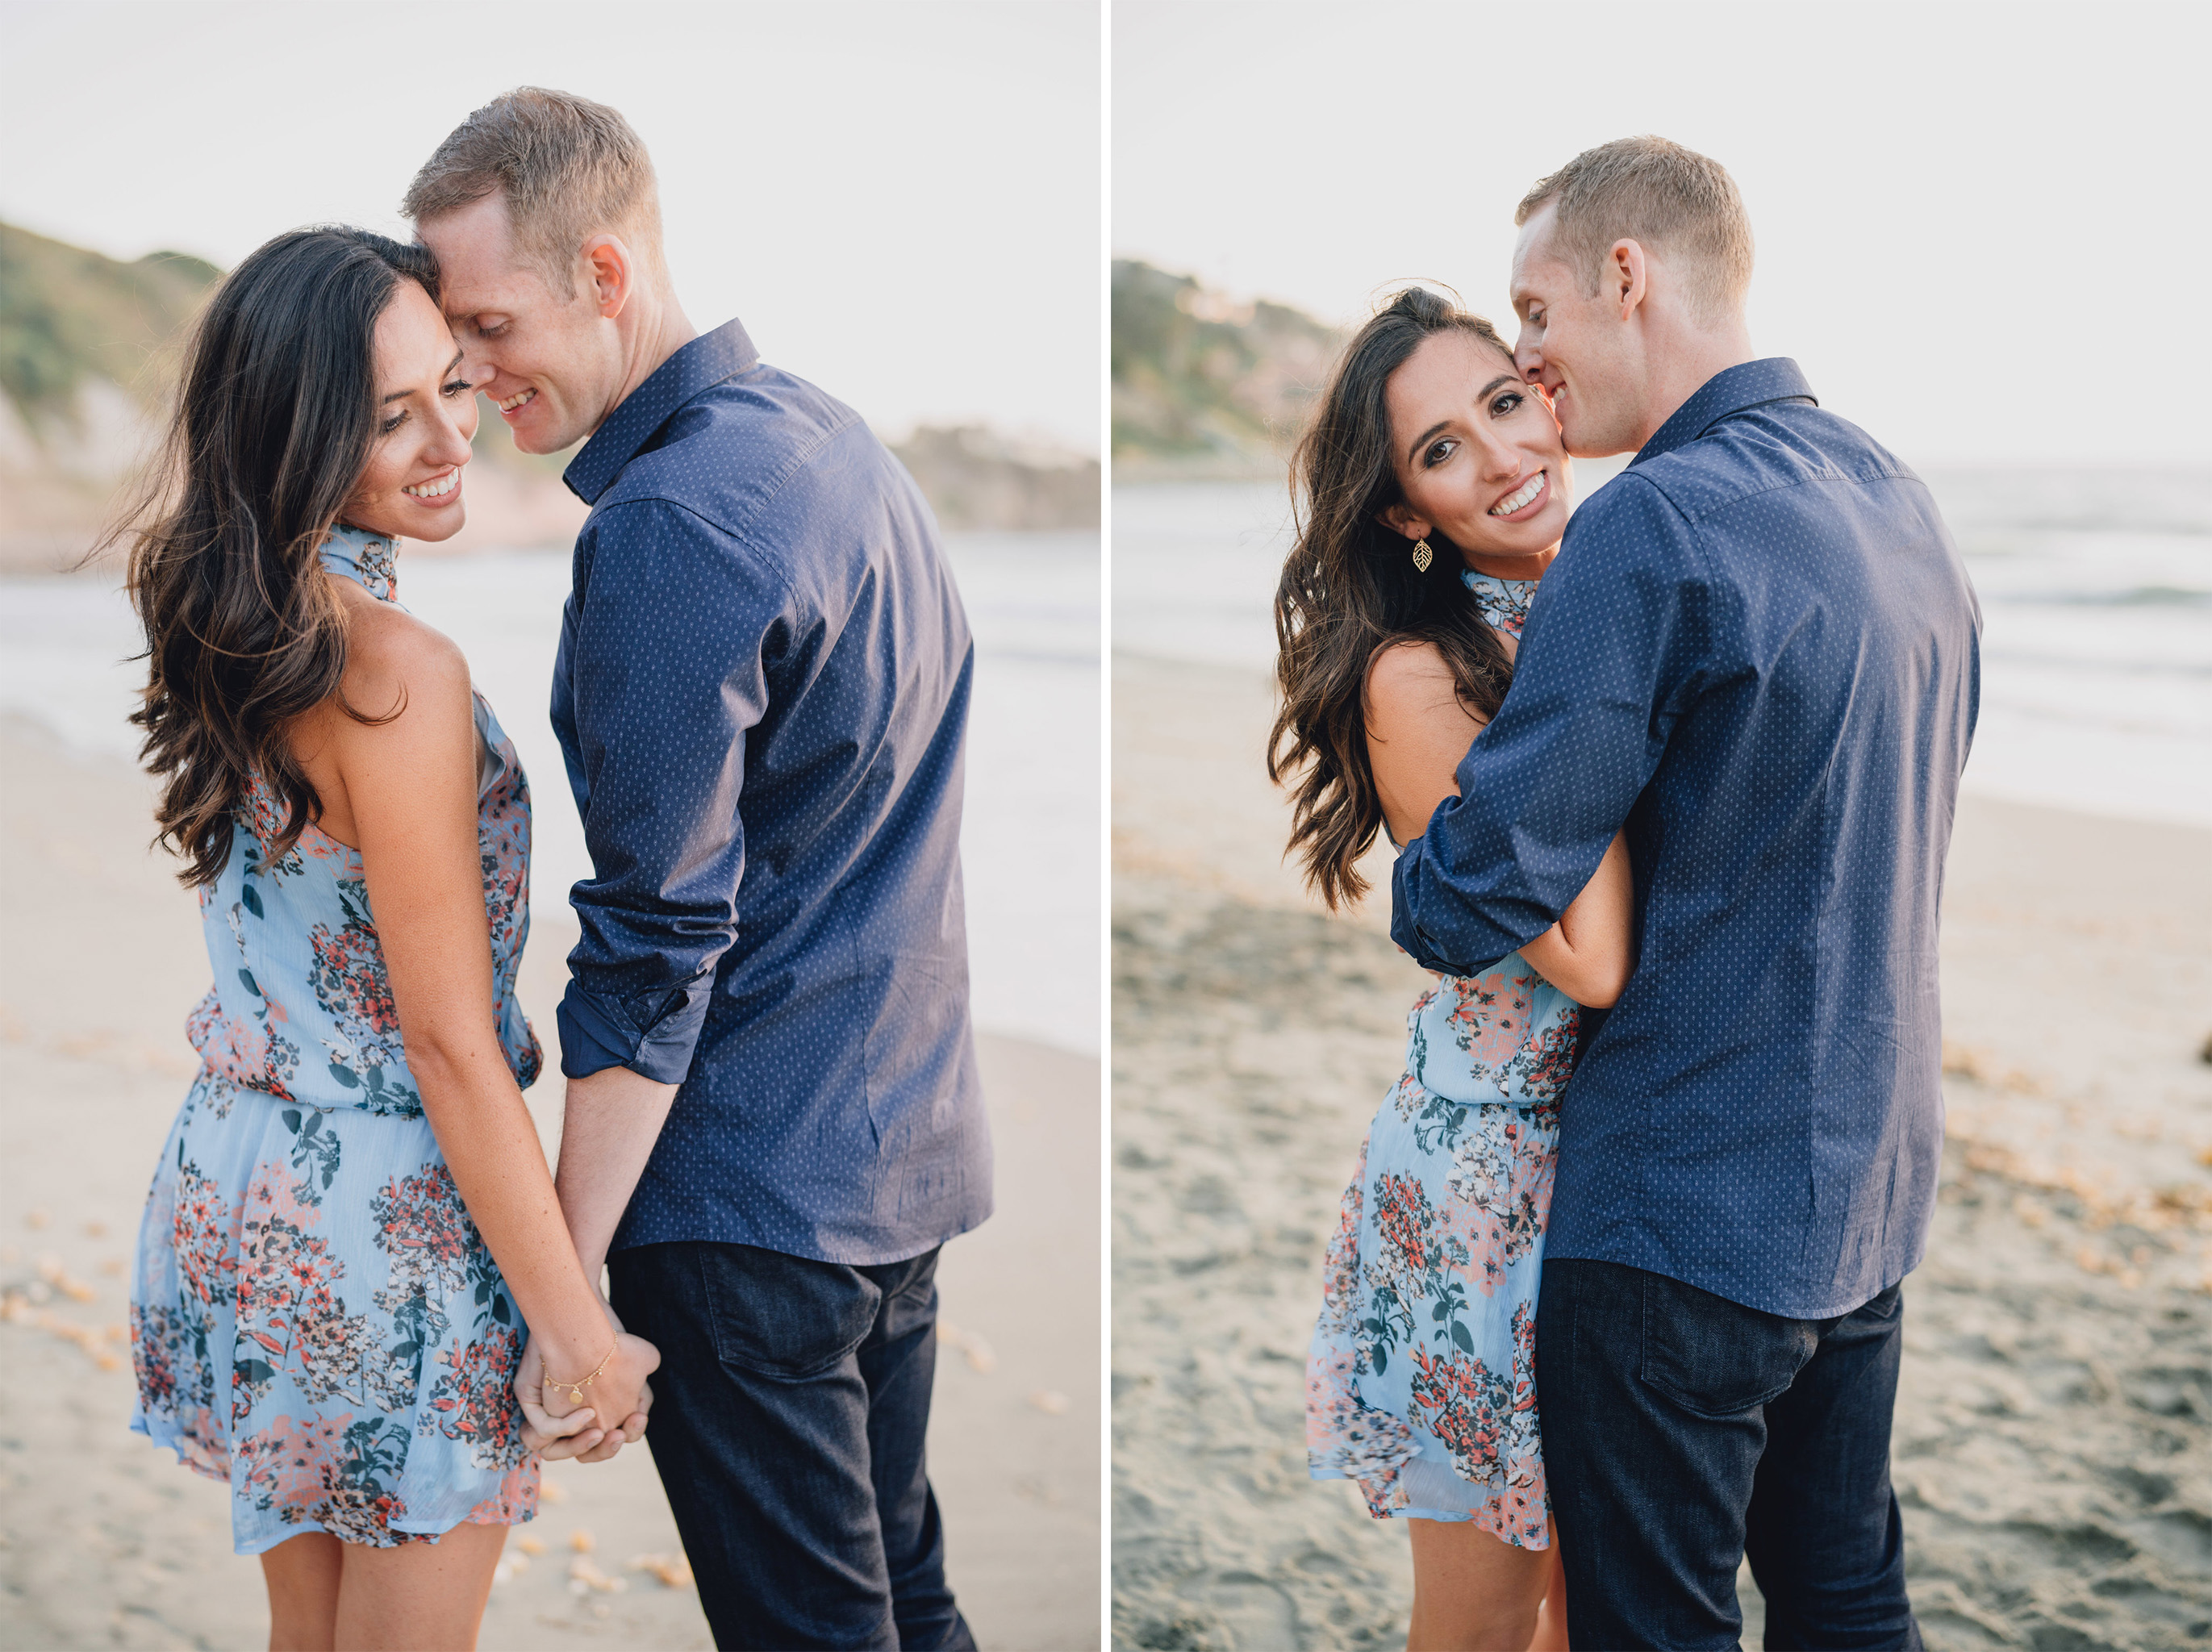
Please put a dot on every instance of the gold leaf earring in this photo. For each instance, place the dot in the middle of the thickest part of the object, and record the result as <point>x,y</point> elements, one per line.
<point>1423,556</point>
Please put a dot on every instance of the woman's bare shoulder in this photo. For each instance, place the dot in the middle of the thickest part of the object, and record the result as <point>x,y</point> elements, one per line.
<point>1408,678</point>
<point>398,667</point>
<point>1403,663</point>
<point>384,643</point>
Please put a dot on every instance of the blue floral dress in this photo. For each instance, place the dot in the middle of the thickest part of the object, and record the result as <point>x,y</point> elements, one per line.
<point>1420,1382</point>
<point>313,1317</point>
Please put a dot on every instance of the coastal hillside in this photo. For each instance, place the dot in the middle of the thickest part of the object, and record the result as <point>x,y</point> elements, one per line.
<point>85,361</point>
<point>68,318</point>
<point>1205,386</point>
<point>88,356</point>
<point>976,477</point>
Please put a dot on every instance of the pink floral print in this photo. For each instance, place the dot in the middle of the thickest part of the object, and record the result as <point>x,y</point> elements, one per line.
<point>1420,1384</point>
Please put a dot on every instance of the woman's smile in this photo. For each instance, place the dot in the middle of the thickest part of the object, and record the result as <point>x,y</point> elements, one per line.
<point>1528,496</point>
<point>440,490</point>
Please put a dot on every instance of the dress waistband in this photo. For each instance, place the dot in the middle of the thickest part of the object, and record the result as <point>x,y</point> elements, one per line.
<point>375,1101</point>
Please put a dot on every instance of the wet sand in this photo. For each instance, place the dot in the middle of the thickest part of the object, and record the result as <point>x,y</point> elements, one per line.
<point>106,1542</point>
<point>2053,1447</point>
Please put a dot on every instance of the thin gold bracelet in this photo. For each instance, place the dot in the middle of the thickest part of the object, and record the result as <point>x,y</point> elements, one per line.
<point>576,1389</point>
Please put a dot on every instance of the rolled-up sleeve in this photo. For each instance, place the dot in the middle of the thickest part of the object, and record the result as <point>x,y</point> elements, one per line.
<point>663,674</point>
<point>1604,667</point>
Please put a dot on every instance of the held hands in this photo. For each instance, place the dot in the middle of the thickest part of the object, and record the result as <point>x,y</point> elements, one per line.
<point>556,1426</point>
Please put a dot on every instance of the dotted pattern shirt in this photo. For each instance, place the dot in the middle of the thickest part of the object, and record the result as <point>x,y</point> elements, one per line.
<point>761,693</point>
<point>1758,651</point>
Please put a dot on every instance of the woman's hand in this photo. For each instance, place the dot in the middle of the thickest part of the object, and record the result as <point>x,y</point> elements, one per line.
<point>550,1416</point>
<point>551,1437</point>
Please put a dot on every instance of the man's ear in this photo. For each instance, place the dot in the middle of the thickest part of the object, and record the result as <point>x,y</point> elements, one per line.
<point>1631,275</point>
<point>1399,519</point>
<point>612,273</point>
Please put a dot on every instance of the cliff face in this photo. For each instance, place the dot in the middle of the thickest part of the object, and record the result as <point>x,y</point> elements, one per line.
<point>1205,387</point>
<point>89,349</point>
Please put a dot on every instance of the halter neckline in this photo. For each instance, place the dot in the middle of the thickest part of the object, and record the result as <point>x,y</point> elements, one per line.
<point>1503,603</point>
<point>369,560</point>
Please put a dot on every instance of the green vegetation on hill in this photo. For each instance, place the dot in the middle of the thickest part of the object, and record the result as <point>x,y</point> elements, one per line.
<point>67,314</point>
<point>1203,385</point>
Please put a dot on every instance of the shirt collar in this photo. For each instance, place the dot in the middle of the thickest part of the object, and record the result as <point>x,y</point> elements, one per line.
<point>1730,390</point>
<point>698,367</point>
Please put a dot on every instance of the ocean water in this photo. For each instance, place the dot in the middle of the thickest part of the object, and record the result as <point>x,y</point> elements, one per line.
<point>1030,837</point>
<point>2096,595</point>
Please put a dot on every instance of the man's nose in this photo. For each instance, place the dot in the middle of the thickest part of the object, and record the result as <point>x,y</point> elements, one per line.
<point>1528,359</point>
<point>476,365</point>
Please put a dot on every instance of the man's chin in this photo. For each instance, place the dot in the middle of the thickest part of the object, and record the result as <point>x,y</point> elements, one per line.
<point>541,441</point>
<point>1593,444</point>
<point>538,433</point>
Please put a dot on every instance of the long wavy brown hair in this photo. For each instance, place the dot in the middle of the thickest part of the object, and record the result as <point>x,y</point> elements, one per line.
<point>274,420</point>
<point>1350,587</point>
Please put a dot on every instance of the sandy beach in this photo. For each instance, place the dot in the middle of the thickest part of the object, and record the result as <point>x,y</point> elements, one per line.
<point>2053,1447</point>
<point>106,1542</point>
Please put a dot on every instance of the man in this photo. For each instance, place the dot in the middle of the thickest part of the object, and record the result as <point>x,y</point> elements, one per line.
<point>773,1120</point>
<point>1757,650</point>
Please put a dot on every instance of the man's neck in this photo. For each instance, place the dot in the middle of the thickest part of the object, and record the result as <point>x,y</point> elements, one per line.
<point>1684,365</point>
<point>662,329</point>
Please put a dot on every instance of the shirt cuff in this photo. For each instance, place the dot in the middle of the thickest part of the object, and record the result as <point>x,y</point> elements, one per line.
<point>1421,946</point>
<point>653,1033</point>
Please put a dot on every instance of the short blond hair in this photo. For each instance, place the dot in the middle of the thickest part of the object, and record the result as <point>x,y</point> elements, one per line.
<point>1674,201</point>
<point>569,168</point>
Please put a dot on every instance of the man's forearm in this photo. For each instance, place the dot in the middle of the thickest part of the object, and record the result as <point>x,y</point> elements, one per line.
<point>611,1121</point>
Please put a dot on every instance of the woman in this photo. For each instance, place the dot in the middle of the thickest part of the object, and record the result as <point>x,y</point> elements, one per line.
<point>1435,494</point>
<point>352,1223</point>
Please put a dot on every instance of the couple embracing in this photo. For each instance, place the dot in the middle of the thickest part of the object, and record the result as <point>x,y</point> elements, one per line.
<point>1672,787</point>
<point>360,1299</point>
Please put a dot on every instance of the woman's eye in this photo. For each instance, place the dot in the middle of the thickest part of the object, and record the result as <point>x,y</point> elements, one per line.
<point>1509,403</point>
<point>458,387</point>
<point>1437,454</point>
<point>394,422</point>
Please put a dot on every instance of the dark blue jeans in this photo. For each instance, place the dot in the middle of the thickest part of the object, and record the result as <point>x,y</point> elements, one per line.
<point>1683,1432</point>
<point>787,1425</point>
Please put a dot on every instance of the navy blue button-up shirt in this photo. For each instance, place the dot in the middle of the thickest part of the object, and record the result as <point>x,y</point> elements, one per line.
<point>1758,650</point>
<point>762,693</point>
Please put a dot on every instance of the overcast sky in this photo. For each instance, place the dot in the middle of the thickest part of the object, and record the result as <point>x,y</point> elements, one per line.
<point>901,201</point>
<point>1983,229</point>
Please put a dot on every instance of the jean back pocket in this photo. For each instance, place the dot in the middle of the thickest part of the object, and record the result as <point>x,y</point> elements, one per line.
<point>1715,1358</point>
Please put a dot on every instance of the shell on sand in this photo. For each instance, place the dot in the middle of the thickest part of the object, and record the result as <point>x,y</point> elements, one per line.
<point>674,1570</point>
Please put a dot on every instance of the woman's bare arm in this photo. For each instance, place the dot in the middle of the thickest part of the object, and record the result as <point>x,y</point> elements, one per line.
<point>409,790</point>
<point>1417,730</point>
<point>1586,954</point>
